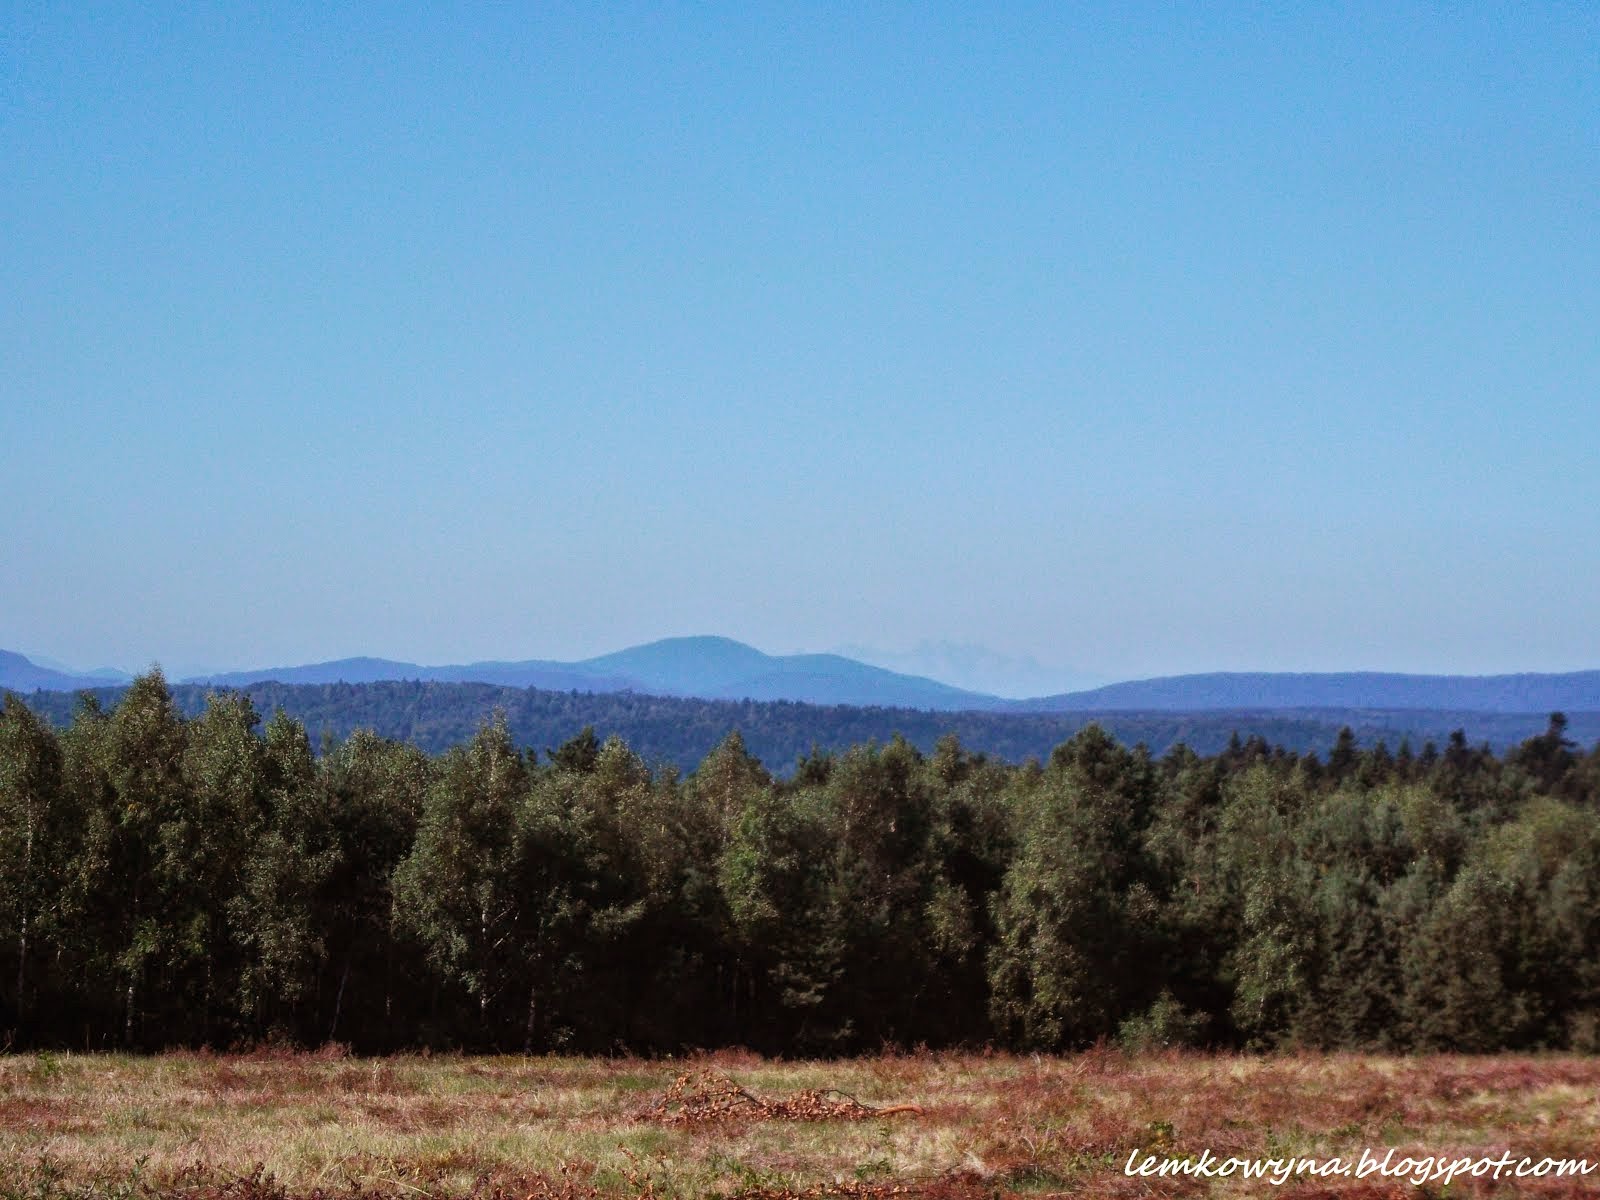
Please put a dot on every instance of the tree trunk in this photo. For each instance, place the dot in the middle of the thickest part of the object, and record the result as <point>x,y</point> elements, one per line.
<point>338,1000</point>
<point>22,973</point>
<point>22,941</point>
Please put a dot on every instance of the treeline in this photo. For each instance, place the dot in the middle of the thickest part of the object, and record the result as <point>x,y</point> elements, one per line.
<point>170,881</point>
<point>681,731</point>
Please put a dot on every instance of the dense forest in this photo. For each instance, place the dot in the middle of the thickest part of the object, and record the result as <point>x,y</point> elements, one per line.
<point>171,880</point>
<point>680,731</point>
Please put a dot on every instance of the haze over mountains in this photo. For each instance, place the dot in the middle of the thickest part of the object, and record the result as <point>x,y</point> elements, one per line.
<point>23,674</point>
<point>1521,693</point>
<point>708,668</point>
<point>719,668</point>
<point>978,668</point>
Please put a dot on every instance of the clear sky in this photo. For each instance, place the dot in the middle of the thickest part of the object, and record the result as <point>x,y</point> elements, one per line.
<point>1128,339</point>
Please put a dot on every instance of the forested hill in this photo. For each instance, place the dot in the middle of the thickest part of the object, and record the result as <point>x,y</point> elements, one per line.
<point>718,668</point>
<point>21,674</point>
<point>1574,691</point>
<point>436,716</point>
<point>710,668</point>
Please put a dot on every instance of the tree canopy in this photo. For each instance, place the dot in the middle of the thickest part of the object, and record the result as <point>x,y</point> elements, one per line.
<point>171,880</point>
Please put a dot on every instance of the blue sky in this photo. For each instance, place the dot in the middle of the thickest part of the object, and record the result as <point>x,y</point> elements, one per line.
<point>1126,339</point>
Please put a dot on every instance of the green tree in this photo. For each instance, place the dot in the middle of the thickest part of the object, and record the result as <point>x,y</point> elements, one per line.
<point>1354,847</point>
<point>35,838</point>
<point>883,875</point>
<point>578,754</point>
<point>1504,957</point>
<point>1547,758</point>
<point>125,878</point>
<point>643,947</point>
<point>211,827</point>
<point>273,913</point>
<point>454,891</point>
<point>775,879</point>
<point>1076,911</point>
<point>972,842</point>
<point>1272,888</point>
<point>374,794</point>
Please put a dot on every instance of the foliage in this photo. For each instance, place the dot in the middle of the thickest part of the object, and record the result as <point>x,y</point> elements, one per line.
<point>204,880</point>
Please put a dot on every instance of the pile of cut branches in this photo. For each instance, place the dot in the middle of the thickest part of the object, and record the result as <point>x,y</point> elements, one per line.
<point>700,1097</point>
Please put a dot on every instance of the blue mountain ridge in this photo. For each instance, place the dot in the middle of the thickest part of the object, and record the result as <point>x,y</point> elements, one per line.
<point>719,668</point>
<point>21,674</point>
<point>708,668</point>
<point>1573,691</point>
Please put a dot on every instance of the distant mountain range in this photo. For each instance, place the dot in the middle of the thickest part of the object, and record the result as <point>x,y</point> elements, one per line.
<point>718,668</point>
<point>22,674</point>
<point>977,668</point>
<point>1526,693</point>
<point>708,668</point>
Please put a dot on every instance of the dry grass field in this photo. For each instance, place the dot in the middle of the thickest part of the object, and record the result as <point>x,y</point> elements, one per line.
<point>274,1125</point>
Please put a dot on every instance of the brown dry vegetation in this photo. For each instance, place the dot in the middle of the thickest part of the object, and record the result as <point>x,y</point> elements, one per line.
<point>269,1126</point>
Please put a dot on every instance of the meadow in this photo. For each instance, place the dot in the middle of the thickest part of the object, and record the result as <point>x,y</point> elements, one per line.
<point>273,1124</point>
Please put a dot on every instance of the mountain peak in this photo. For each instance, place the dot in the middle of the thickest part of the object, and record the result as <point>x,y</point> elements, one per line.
<point>684,663</point>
